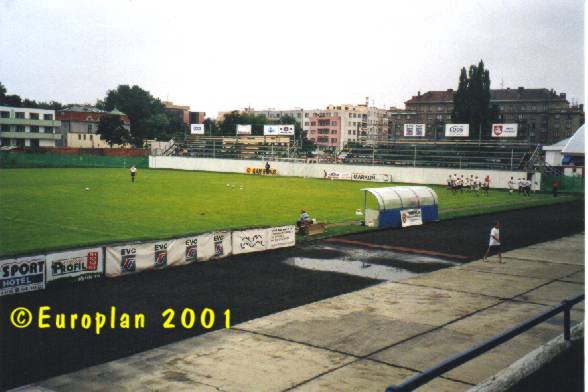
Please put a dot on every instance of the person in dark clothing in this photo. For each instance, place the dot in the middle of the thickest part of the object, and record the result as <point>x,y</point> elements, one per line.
<point>555,187</point>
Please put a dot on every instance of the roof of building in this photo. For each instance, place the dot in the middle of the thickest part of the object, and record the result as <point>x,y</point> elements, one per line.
<point>575,146</point>
<point>117,112</point>
<point>557,146</point>
<point>507,94</point>
<point>82,109</point>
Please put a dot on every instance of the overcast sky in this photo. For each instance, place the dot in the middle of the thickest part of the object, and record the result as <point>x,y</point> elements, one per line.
<point>222,55</point>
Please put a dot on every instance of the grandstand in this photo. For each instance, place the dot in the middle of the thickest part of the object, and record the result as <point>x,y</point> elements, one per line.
<point>463,155</point>
<point>238,147</point>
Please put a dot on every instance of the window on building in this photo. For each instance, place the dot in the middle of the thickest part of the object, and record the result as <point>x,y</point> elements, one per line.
<point>349,132</point>
<point>306,123</point>
<point>557,116</point>
<point>89,128</point>
<point>312,123</point>
<point>20,128</point>
<point>333,132</point>
<point>333,140</point>
<point>79,136</point>
<point>47,117</point>
<point>19,115</point>
<point>4,114</point>
<point>35,129</point>
<point>34,116</point>
<point>91,137</point>
<point>5,128</point>
<point>84,136</point>
<point>49,130</point>
<point>333,123</point>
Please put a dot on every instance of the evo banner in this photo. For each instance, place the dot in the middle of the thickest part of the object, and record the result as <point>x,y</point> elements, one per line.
<point>123,260</point>
<point>22,274</point>
<point>77,265</point>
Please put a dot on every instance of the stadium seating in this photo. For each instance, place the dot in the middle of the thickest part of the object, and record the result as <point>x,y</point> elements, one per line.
<point>465,155</point>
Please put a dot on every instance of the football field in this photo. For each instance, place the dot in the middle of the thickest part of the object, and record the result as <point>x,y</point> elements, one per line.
<point>43,209</point>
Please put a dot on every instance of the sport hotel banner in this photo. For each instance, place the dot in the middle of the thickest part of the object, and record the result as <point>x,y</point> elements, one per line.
<point>278,130</point>
<point>243,129</point>
<point>22,274</point>
<point>197,129</point>
<point>77,265</point>
<point>122,260</point>
<point>411,217</point>
<point>414,130</point>
<point>504,130</point>
<point>457,130</point>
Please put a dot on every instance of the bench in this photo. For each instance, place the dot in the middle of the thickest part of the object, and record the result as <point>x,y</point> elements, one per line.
<point>315,228</point>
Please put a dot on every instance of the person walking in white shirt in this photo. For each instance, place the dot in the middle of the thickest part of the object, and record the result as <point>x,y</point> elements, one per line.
<point>494,243</point>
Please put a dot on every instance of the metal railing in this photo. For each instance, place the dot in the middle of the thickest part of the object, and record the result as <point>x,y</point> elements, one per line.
<point>459,359</point>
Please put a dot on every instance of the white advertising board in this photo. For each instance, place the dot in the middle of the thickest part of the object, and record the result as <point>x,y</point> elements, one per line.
<point>504,130</point>
<point>243,129</point>
<point>457,130</point>
<point>414,130</point>
<point>281,237</point>
<point>22,274</point>
<point>197,129</point>
<point>214,245</point>
<point>248,241</point>
<point>79,265</point>
<point>128,259</point>
<point>411,217</point>
<point>278,130</point>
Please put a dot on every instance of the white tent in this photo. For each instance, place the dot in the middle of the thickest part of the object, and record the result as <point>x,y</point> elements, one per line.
<point>575,145</point>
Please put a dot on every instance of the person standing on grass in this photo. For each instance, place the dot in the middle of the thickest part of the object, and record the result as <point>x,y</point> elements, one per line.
<point>133,173</point>
<point>494,243</point>
<point>555,187</point>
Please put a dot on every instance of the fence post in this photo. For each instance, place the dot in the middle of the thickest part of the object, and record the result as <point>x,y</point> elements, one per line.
<point>414,158</point>
<point>566,320</point>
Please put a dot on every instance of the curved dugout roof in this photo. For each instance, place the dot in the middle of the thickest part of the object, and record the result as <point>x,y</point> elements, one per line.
<point>395,197</point>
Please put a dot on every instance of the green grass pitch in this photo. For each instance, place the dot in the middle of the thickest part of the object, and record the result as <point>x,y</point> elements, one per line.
<point>48,209</point>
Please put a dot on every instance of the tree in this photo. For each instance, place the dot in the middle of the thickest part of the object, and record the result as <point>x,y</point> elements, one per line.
<point>211,127</point>
<point>471,101</point>
<point>113,131</point>
<point>2,91</point>
<point>146,113</point>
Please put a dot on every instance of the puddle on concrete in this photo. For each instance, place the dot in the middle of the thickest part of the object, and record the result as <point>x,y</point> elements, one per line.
<point>369,263</point>
<point>350,267</point>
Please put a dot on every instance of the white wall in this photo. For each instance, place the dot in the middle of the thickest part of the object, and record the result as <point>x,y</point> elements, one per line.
<point>413,175</point>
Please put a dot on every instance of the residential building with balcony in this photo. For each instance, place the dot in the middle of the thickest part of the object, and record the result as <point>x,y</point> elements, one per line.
<point>28,127</point>
<point>325,131</point>
<point>79,126</point>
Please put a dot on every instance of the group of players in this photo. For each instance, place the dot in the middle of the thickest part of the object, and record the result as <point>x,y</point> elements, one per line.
<point>524,186</point>
<point>472,183</point>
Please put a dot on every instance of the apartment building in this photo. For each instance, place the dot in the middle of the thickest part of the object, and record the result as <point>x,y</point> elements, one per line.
<point>79,126</point>
<point>28,127</point>
<point>325,131</point>
<point>542,115</point>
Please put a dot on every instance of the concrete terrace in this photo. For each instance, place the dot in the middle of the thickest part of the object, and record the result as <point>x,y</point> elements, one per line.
<point>368,339</point>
